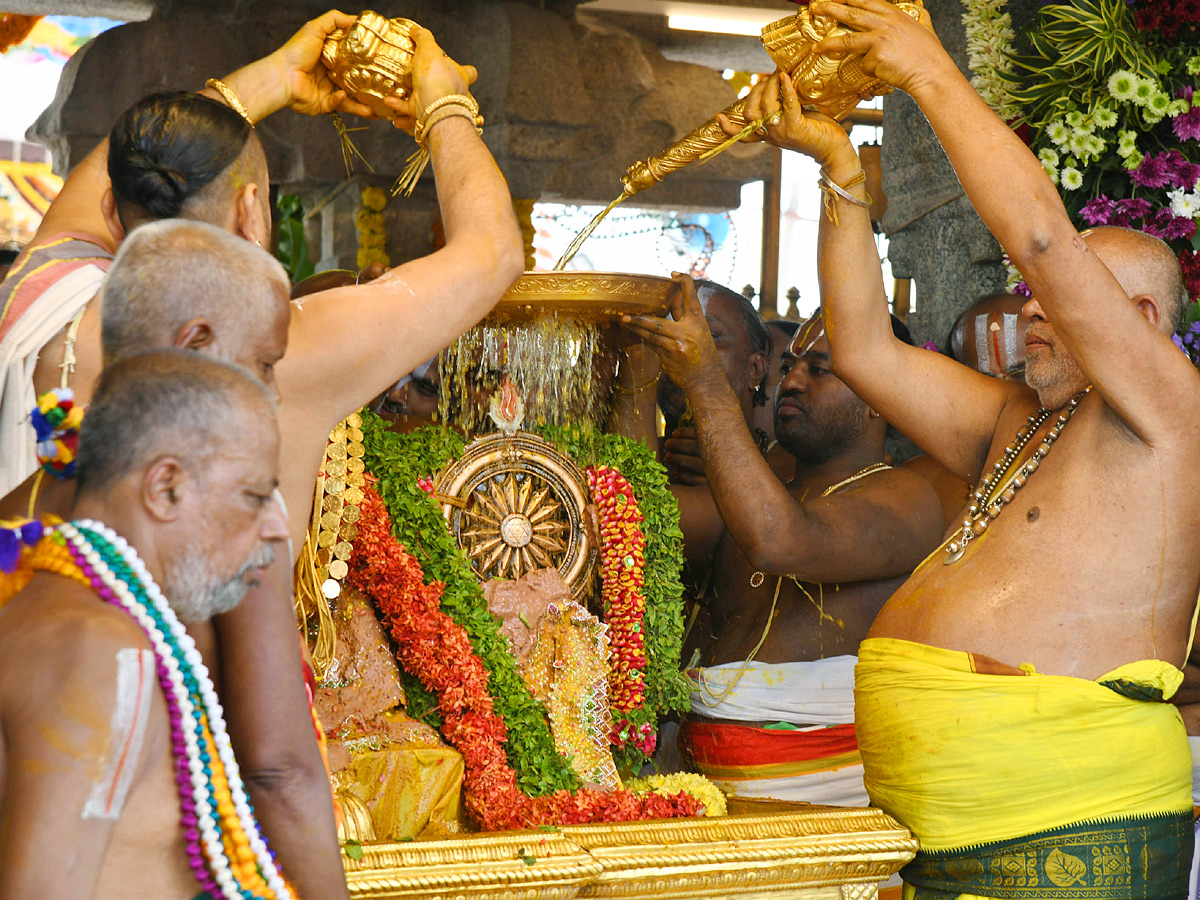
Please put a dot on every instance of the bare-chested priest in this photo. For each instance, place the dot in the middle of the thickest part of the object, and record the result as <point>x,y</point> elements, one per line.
<point>799,570</point>
<point>113,784</point>
<point>1010,696</point>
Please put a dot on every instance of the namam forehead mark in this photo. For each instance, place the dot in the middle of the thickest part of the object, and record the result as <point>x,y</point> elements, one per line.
<point>807,336</point>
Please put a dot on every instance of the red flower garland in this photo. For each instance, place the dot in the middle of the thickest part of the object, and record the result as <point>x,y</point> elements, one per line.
<point>436,650</point>
<point>622,561</point>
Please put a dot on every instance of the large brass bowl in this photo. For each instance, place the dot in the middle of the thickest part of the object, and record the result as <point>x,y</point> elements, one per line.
<point>600,297</point>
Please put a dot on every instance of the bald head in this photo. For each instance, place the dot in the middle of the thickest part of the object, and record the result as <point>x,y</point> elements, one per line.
<point>1144,266</point>
<point>188,284</point>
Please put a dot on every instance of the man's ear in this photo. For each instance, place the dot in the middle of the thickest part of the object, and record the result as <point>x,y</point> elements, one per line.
<point>249,222</point>
<point>758,367</point>
<point>108,208</point>
<point>194,334</point>
<point>163,488</point>
<point>1149,308</point>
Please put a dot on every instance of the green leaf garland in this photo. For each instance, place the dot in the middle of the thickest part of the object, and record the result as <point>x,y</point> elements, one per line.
<point>399,462</point>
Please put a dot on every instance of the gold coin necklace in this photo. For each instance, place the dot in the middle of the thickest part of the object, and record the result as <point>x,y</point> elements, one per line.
<point>989,499</point>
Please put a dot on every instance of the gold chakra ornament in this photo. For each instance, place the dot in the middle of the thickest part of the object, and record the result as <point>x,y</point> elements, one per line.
<point>515,504</point>
<point>372,59</point>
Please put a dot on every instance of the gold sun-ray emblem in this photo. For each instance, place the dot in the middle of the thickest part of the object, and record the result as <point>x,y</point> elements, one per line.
<point>513,525</point>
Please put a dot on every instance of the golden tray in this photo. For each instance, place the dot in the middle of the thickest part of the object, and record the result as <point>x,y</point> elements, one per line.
<point>583,296</point>
<point>761,850</point>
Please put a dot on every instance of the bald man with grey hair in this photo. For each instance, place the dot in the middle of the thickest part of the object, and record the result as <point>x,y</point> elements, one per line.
<point>176,282</point>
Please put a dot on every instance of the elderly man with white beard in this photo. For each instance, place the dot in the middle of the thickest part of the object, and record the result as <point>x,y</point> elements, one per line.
<point>116,758</point>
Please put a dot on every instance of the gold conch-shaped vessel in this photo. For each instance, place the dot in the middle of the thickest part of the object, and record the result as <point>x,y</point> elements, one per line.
<point>832,84</point>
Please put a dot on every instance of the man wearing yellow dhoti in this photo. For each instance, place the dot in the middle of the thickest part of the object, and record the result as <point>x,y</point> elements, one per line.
<point>1009,697</point>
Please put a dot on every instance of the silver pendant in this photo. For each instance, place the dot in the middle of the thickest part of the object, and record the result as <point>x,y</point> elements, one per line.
<point>954,552</point>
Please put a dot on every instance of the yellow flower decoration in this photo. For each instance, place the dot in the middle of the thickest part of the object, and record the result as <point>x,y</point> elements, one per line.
<point>690,783</point>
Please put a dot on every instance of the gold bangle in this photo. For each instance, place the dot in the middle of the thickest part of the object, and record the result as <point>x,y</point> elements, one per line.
<point>230,98</point>
<point>465,103</point>
<point>449,111</point>
<point>637,390</point>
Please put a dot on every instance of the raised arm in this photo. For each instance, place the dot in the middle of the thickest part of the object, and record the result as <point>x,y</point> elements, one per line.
<point>947,409</point>
<point>291,77</point>
<point>346,346</point>
<point>1118,343</point>
<point>881,529</point>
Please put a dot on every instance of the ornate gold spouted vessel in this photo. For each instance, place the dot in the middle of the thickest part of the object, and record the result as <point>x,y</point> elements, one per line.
<point>832,84</point>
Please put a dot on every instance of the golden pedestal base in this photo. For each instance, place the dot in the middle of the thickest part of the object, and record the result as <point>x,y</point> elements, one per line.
<point>761,850</point>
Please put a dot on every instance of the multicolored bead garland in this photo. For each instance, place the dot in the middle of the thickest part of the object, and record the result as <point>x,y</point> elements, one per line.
<point>225,849</point>
<point>622,559</point>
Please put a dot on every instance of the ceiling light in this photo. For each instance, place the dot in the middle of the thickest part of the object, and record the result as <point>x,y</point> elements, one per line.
<point>688,16</point>
<point>717,24</point>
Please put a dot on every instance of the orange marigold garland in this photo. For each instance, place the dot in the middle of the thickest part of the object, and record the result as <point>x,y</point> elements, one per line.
<point>437,651</point>
<point>622,564</point>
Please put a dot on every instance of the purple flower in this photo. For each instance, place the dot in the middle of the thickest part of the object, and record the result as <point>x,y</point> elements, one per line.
<point>1170,226</point>
<point>1021,289</point>
<point>1156,170</point>
<point>1098,211</point>
<point>1133,208</point>
<point>1184,93</point>
<point>1187,125</point>
<point>1187,174</point>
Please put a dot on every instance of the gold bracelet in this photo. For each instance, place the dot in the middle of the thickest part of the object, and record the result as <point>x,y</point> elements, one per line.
<point>637,390</point>
<point>231,99</point>
<point>449,111</point>
<point>465,102</point>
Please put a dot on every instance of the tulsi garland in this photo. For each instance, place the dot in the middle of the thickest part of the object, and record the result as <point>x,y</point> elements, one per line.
<point>432,646</point>
<point>399,463</point>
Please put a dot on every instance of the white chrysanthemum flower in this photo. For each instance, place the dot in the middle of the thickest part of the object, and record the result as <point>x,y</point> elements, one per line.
<point>1160,103</point>
<point>1133,160</point>
<point>1144,90</point>
<point>1071,178</point>
<point>1122,85</point>
<point>1075,118</point>
<point>1058,132</point>
<point>1104,117</point>
<point>1178,107</point>
<point>1126,143</point>
<point>1193,65</point>
<point>1095,146</point>
<point>1052,172</point>
<point>1078,143</point>
<point>1183,203</point>
<point>1048,156</point>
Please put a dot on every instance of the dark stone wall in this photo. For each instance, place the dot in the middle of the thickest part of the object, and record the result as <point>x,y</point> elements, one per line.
<point>935,236</point>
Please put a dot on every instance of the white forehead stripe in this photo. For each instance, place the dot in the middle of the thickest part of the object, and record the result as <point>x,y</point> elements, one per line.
<point>127,729</point>
<point>981,341</point>
<point>1010,339</point>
